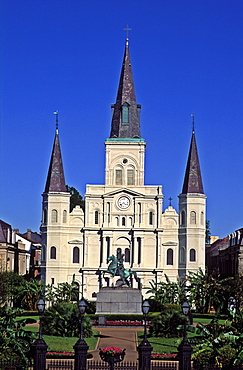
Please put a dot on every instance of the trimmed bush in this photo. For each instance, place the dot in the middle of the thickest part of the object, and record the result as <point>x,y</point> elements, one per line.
<point>165,325</point>
<point>62,319</point>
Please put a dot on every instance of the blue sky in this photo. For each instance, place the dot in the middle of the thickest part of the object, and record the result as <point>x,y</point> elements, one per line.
<point>66,56</point>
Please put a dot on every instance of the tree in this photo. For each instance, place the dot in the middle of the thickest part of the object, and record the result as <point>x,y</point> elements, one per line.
<point>10,285</point>
<point>206,290</point>
<point>207,232</point>
<point>30,294</point>
<point>167,291</point>
<point>76,199</point>
<point>64,292</point>
<point>236,292</point>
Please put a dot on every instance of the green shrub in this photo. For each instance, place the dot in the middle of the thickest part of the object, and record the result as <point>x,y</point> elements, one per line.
<point>63,319</point>
<point>15,342</point>
<point>165,325</point>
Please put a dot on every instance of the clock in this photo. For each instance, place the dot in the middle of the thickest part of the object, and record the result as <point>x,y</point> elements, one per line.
<point>123,202</point>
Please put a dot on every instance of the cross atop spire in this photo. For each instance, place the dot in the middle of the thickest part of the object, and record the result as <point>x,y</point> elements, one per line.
<point>193,122</point>
<point>127,29</point>
<point>56,113</point>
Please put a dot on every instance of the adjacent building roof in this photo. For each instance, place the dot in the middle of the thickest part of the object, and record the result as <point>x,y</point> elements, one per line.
<point>193,179</point>
<point>126,104</point>
<point>5,232</point>
<point>55,179</point>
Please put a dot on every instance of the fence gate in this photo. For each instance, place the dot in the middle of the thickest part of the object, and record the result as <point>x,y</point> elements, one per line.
<point>101,365</point>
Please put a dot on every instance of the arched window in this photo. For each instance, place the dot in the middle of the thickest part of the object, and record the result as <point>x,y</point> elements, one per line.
<point>130,221</point>
<point>139,213</point>
<point>127,255</point>
<point>54,216</point>
<point>96,217</point>
<point>151,218</point>
<point>53,253</point>
<point>193,218</point>
<point>169,256</point>
<point>139,251</point>
<point>75,255</point>
<point>202,218</point>
<point>192,255</point>
<point>117,221</point>
<point>125,114</point>
<point>108,212</point>
<point>45,216</point>
<point>130,176</point>
<point>123,221</point>
<point>118,177</point>
<point>108,246</point>
<point>183,217</point>
<point>182,254</point>
<point>64,216</point>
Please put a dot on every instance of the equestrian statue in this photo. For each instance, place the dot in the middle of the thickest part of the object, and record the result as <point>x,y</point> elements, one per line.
<point>116,268</point>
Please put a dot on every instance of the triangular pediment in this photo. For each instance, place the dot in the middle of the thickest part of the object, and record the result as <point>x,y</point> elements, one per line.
<point>169,243</point>
<point>124,191</point>
<point>75,241</point>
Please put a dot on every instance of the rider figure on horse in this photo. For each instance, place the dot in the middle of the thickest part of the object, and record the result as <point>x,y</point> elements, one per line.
<point>116,268</point>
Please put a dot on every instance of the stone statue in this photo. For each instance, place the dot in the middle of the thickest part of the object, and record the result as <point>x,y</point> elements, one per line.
<point>116,268</point>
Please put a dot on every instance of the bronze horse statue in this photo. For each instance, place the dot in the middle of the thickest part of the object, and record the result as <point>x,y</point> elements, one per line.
<point>116,268</point>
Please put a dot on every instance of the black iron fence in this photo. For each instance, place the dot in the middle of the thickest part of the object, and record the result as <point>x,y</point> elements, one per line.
<point>60,364</point>
<point>13,365</point>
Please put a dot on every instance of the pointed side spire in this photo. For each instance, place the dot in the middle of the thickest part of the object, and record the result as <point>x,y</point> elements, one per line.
<point>55,179</point>
<point>193,179</point>
<point>125,120</point>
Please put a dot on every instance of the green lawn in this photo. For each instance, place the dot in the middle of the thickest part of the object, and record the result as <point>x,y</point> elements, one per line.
<point>18,318</point>
<point>64,344</point>
<point>164,345</point>
<point>206,321</point>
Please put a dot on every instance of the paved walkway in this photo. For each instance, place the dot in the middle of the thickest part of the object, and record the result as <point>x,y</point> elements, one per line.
<point>118,337</point>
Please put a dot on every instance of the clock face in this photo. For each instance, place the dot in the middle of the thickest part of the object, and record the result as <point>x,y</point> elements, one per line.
<point>123,202</point>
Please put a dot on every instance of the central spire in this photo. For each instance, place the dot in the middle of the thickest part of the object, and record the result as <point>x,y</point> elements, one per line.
<point>125,119</point>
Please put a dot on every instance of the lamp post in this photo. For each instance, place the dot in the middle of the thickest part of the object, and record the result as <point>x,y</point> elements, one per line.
<point>40,346</point>
<point>185,349</point>
<point>144,348</point>
<point>81,347</point>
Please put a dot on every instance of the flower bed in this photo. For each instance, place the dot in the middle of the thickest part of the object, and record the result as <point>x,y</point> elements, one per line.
<point>164,356</point>
<point>60,355</point>
<point>124,323</point>
<point>63,355</point>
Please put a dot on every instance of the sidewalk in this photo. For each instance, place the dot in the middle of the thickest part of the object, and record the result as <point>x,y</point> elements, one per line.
<point>124,338</point>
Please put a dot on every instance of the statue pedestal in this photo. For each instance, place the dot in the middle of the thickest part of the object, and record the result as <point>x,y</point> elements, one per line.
<point>119,300</point>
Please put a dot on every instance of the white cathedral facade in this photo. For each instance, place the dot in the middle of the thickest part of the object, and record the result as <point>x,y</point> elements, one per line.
<point>123,213</point>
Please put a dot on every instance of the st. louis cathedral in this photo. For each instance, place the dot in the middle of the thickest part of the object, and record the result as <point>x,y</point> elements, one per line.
<point>123,213</point>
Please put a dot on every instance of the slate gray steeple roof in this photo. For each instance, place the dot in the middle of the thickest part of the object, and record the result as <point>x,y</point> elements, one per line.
<point>55,179</point>
<point>193,179</point>
<point>125,119</point>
